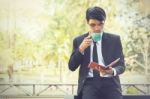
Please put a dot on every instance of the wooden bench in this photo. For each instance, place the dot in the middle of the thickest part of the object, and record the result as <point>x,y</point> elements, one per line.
<point>124,97</point>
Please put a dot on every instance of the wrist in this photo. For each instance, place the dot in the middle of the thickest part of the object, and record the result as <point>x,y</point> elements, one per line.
<point>81,50</point>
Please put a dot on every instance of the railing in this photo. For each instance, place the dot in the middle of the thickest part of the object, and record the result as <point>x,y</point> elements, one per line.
<point>60,90</point>
<point>138,89</point>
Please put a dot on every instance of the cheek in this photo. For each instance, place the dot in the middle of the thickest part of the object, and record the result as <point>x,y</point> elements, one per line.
<point>101,28</point>
<point>91,29</point>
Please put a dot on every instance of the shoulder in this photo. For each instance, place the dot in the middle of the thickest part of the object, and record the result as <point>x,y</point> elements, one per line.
<point>111,37</point>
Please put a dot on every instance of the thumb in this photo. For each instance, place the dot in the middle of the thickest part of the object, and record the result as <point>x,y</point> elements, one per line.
<point>89,36</point>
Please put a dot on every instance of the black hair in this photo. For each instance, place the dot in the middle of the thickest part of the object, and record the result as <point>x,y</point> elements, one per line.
<point>95,13</point>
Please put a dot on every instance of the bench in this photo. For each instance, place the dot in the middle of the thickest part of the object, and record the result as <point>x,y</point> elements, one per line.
<point>124,97</point>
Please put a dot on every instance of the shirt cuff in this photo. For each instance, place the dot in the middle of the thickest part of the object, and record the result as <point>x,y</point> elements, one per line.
<point>82,52</point>
<point>114,72</point>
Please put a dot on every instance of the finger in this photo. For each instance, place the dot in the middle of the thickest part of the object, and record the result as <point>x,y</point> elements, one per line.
<point>88,40</point>
<point>102,70</point>
<point>107,71</point>
<point>110,67</point>
<point>88,37</point>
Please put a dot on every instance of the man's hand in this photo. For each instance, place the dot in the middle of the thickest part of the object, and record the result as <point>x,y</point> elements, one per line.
<point>106,71</point>
<point>85,43</point>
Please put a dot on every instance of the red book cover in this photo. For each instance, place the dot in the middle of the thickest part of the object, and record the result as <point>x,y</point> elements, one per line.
<point>96,66</point>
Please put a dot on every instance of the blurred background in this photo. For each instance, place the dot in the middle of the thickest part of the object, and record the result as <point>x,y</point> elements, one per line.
<point>36,38</point>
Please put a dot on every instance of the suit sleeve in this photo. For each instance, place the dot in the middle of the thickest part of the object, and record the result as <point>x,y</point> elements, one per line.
<point>76,57</point>
<point>120,66</point>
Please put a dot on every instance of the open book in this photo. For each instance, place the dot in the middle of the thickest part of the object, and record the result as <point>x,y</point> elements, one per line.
<point>96,66</point>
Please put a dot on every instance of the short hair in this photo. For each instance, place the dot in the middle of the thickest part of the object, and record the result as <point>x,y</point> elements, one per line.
<point>95,13</point>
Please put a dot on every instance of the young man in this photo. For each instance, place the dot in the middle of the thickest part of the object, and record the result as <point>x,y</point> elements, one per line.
<point>102,48</point>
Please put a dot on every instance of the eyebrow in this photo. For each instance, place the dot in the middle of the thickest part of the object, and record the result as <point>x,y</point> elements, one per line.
<point>102,22</point>
<point>95,23</point>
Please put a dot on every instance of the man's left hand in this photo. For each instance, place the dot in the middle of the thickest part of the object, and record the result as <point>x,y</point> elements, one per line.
<point>106,71</point>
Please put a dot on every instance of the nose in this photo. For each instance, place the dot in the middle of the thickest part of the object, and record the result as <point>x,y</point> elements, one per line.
<point>97,29</point>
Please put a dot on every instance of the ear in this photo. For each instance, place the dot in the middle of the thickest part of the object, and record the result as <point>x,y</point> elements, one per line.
<point>103,21</point>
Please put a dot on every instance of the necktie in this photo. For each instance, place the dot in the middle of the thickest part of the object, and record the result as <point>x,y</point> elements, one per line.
<point>95,59</point>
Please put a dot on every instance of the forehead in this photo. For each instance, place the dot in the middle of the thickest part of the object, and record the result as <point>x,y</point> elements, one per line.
<point>94,21</point>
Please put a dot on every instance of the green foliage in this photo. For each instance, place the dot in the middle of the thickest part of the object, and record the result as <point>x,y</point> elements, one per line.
<point>137,44</point>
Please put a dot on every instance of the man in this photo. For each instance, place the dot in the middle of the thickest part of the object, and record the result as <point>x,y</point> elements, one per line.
<point>92,84</point>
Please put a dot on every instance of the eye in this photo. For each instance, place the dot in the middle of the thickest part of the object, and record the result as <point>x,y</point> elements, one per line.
<point>101,24</point>
<point>92,25</point>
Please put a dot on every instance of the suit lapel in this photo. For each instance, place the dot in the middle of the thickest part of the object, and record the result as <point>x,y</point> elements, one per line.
<point>87,52</point>
<point>105,47</point>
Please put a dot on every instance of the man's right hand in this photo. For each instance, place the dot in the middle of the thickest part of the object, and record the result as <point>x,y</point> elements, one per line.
<point>85,43</point>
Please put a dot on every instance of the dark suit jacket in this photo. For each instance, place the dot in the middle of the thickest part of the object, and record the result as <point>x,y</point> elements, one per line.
<point>111,50</point>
